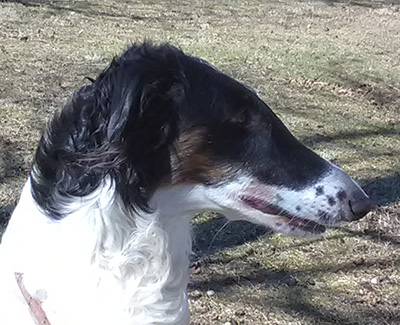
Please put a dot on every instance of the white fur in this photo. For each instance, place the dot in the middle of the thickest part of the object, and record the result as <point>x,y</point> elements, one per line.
<point>103,264</point>
<point>334,180</point>
<point>99,265</point>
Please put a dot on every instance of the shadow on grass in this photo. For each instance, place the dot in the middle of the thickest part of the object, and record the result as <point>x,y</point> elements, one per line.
<point>296,277</point>
<point>292,291</point>
<point>218,233</point>
<point>383,190</point>
<point>373,235</point>
<point>297,302</point>
<point>11,163</point>
<point>376,236</point>
<point>5,214</point>
<point>267,278</point>
<point>12,166</point>
<point>350,135</point>
<point>82,7</point>
<point>364,3</point>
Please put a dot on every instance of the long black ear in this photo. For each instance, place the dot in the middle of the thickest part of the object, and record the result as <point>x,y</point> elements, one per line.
<point>121,126</point>
<point>144,90</point>
<point>148,94</point>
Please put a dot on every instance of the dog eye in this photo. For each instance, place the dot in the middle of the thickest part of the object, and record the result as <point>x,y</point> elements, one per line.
<point>242,118</point>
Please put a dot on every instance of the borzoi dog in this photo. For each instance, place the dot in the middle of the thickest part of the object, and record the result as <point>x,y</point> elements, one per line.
<point>101,233</point>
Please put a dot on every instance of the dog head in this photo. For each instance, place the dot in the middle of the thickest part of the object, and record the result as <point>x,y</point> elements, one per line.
<point>162,124</point>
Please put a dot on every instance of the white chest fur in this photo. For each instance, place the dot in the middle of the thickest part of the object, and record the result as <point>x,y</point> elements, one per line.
<point>101,264</point>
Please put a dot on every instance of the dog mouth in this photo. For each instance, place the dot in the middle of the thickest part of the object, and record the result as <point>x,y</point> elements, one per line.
<point>284,217</point>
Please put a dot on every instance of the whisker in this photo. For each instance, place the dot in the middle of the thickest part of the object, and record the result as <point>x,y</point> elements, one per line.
<point>216,234</point>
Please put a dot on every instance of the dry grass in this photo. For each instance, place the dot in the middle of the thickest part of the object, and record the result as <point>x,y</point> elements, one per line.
<point>331,71</point>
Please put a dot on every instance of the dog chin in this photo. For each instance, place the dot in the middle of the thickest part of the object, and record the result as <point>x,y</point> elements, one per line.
<point>279,220</point>
<point>298,227</point>
<point>294,226</point>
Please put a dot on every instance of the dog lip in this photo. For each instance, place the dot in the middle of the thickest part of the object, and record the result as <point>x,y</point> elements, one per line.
<point>307,225</point>
<point>286,217</point>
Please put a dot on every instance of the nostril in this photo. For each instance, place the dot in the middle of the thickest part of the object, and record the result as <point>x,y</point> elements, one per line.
<point>359,208</point>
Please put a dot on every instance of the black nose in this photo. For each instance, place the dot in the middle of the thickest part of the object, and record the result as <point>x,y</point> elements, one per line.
<point>360,207</point>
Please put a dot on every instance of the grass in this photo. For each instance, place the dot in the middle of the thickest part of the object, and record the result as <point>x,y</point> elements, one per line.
<point>329,69</point>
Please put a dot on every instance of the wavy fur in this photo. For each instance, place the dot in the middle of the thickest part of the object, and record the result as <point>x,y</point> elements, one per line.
<point>101,233</point>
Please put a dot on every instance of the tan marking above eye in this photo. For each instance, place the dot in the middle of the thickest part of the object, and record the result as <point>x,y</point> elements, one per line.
<point>192,161</point>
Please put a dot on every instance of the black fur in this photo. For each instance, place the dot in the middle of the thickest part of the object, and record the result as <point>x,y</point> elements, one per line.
<point>124,125</point>
<point>119,126</point>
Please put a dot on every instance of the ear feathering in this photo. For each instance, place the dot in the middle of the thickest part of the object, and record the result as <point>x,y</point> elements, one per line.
<point>119,126</point>
<point>158,137</point>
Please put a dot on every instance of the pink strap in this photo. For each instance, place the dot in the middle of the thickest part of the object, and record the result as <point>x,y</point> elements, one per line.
<point>34,305</point>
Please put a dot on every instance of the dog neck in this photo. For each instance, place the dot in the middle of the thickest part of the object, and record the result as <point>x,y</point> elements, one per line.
<point>148,253</point>
<point>104,264</point>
